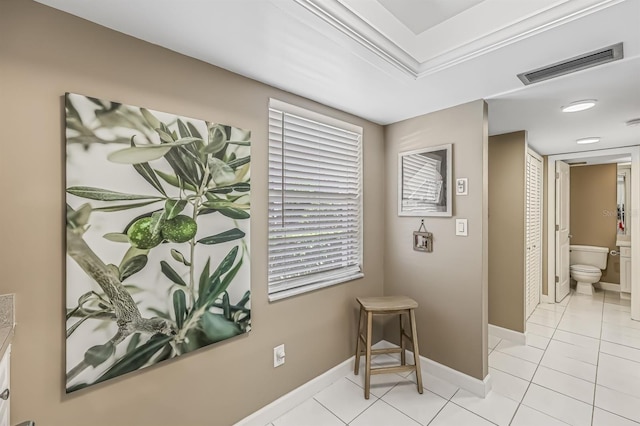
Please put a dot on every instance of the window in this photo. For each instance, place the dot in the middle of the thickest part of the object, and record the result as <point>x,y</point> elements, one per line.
<point>315,201</point>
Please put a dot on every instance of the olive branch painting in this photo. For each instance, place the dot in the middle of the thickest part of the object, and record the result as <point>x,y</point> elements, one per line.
<point>157,233</point>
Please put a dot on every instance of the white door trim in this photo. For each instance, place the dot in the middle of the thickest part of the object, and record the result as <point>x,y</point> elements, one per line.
<point>634,151</point>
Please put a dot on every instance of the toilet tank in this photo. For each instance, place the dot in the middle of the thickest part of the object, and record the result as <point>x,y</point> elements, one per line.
<point>589,255</point>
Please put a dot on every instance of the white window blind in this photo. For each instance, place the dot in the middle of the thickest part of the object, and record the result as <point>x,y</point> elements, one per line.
<point>315,201</point>
<point>422,182</point>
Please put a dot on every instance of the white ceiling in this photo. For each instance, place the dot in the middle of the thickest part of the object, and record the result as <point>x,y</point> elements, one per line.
<point>421,15</point>
<point>387,63</point>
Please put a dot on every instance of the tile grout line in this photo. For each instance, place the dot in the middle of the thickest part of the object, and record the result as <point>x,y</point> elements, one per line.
<point>538,365</point>
<point>595,384</point>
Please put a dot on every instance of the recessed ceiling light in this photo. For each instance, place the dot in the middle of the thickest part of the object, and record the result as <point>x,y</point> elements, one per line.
<point>580,105</point>
<point>587,140</point>
<point>634,122</point>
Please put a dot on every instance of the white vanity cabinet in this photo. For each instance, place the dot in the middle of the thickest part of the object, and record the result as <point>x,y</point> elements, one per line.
<point>625,270</point>
<point>4,388</point>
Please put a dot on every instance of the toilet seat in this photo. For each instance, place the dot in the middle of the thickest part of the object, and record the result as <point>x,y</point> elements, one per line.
<point>585,269</point>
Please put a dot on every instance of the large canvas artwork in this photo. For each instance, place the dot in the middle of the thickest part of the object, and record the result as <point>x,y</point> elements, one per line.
<point>157,229</point>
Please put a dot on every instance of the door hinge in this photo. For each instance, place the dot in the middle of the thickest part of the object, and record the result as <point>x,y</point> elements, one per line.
<point>557,227</point>
<point>557,175</point>
<point>557,279</point>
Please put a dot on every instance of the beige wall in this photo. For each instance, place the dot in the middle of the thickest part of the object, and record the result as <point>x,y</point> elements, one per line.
<point>507,173</point>
<point>449,284</point>
<point>593,212</point>
<point>44,53</point>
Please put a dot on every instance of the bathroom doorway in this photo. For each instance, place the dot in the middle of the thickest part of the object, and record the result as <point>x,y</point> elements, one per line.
<point>558,262</point>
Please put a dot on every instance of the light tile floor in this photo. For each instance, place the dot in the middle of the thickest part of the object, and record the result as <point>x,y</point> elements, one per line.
<point>581,367</point>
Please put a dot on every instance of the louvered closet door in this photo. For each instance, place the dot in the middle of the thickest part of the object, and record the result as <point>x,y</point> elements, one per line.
<point>533,237</point>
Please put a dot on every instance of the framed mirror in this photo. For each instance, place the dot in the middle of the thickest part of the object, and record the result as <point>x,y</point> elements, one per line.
<point>424,182</point>
<point>624,198</point>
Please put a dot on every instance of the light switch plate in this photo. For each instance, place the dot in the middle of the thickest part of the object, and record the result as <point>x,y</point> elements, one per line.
<point>278,355</point>
<point>462,186</point>
<point>461,227</point>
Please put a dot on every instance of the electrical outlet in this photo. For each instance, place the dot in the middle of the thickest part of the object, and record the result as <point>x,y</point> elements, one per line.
<point>278,355</point>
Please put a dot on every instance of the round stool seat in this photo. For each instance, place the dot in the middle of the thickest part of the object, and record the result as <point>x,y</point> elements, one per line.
<point>387,303</point>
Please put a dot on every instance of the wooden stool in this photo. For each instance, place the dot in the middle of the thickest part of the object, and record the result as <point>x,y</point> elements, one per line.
<point>387,305</point>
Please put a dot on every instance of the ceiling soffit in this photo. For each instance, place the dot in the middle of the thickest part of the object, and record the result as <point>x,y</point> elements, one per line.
<point>421,15</point>
<point>488,26</point>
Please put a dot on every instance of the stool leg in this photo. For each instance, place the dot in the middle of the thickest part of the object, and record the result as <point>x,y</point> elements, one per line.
<point>357,366</point>
<point>416,352</point>
<point>403,360</point>
<point>367,376</point>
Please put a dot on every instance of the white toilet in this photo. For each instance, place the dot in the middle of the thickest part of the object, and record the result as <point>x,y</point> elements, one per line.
<point>586,265</point>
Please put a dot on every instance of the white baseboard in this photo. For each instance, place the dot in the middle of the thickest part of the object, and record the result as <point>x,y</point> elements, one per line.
<point>464,381</point>
<point>277,408</point>
<point>607,286</point>
<point>505,333</point>
<point>476,386</point>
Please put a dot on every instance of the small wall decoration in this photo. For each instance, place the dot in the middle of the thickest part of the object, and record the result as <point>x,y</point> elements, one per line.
<point>422,240</point>
<point>157,232</point>
<point>424,182</point>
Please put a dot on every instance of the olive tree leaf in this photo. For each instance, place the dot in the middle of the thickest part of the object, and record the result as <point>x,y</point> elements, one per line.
<point>217,327</point>
<point>138,154</point>
<point>234,213</point>
<point>70,109</point>
<point>133,343</point>
<point>97,101</point>
<point>145,170</point>
<point>173,208</point>
<point>160,314</point>
<point>183,130</point>
<point>157,220</point>
<point>179,257</point>
<point>219,203</point>
<point>182,166</point>
<point>221,286</point>
<point>80,217</point>
<point>217,139</point>
<point>96,355</point>
<point>221,173</point>
<point>171,273</point>
<point>204,279</point>
<point>81,301</point>
<point>213,283</point>
<point>194,132</point>
<point>237,134</point>
<point>116,237</point>
<point>164,354</point>
<point>223,237</point>
<point>234,164</point>
<point>105,194</point>
<point>245,299</point>
<point>151,119</point>
<point>165,136</point>
<point>174,181</point>
<point>135,359</point>
<point>239,187</point>
<point>124,206</point>
<point>133,265</point>
<point>75,326</point>
<point>179,307</point>
<point>226,306</point>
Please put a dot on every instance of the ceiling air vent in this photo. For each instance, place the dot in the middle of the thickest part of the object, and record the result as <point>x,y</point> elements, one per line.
<point>588,60</point>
